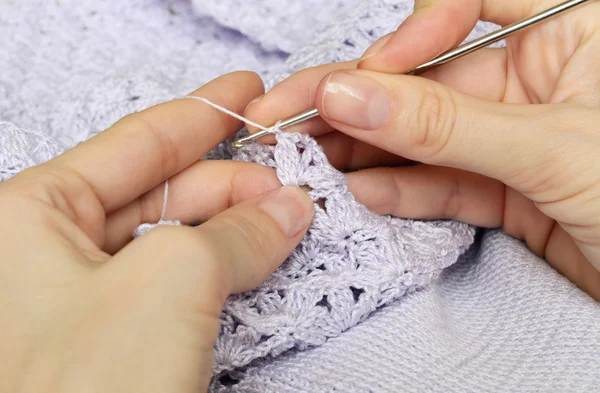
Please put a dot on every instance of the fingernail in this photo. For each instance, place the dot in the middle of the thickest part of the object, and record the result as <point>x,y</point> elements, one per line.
<point>254,101</point>
<point>356,101</point>
<point>290,207</point>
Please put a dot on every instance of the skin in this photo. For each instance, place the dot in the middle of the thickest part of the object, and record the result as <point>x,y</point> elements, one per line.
<point>84,308</point>
<point>504,138</point>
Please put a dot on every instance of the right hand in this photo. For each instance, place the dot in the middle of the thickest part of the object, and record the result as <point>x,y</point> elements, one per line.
<point>507,137</point>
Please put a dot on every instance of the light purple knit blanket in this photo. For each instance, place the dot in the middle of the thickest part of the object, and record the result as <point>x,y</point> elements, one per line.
<point>365,303</point>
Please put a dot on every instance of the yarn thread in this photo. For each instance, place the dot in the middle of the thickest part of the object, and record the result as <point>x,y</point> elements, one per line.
<point>144,228</point>
<point>350,263</point>
<point>232,113</point>
<point>487,325</point>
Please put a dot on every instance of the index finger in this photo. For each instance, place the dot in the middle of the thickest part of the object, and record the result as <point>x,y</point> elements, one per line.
<point>291,96</point>
<point>439,25</point>
<point>145,148</point>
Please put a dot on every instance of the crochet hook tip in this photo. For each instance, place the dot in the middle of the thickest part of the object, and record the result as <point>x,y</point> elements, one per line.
<point>280,125</point>
<point>237,145</point>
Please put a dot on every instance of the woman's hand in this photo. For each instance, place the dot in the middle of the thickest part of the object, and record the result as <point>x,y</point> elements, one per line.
<point>508,137</point>
<point>85,309</point>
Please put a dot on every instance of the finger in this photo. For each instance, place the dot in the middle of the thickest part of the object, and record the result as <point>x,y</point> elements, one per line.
<point>375,47</point>
<point>143,149</point>
<point>254,238</point>
<point>232,252</point>
<point>191,200</point>
<point>291,97</point>
<point>564,255</point>
<point>429,192</point>
<point>346,153</point>
<point>170,285</point>
<point>425,121</point>
<point>482,74</point>
<point>439,25</point>
<point>297,93</point>
<point>194,195</point>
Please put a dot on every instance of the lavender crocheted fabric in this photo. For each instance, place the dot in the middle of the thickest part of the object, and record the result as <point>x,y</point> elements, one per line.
<point>350,263</point>
<point>366,303</point>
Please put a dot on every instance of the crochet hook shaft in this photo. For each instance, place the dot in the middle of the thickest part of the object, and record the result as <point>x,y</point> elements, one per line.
<point>442,59</point>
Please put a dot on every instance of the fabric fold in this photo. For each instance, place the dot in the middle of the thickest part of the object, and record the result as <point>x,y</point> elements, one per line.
<point>277,25</point>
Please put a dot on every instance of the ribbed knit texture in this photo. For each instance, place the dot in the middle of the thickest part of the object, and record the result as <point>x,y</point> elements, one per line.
<point>498,320</point>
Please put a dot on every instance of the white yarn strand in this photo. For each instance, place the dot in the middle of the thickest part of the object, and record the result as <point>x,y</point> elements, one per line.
<point>231,113</point>
<point>165,198</point>
<point>144,228</point>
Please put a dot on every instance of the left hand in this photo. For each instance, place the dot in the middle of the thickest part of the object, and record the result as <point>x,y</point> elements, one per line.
<point>85,309</point>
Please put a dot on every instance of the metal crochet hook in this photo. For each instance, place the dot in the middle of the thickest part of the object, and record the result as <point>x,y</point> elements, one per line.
<point>442,59</point>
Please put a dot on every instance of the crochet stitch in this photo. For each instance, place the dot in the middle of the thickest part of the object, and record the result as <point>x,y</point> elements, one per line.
<point>20,149</point>
<point>498,320</point>
<point>350,262</point>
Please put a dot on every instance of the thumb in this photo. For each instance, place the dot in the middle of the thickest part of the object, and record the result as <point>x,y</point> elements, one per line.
<point>160,297</point>
<point>255,237</point>
<point>426,121</point>
<point>234,251</point>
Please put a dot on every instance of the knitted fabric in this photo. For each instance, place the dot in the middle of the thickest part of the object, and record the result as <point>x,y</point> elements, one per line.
<point>275,25</point>
<point>499,320</point>
<point>350,263</point>
<point>20,149</point>
<point>71,68</point>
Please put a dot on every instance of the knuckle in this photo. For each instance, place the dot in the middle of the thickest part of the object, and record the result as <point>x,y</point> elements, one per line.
<point>253,238</point>
<point>432,124</point>
<point>163,146</point>
<point>61,188</point>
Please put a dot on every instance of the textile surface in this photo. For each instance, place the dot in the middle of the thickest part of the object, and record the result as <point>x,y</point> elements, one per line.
<point>494,319</point>
<point>350,263</point>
